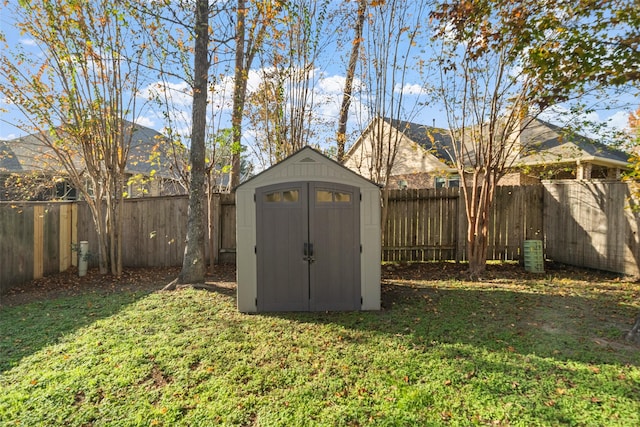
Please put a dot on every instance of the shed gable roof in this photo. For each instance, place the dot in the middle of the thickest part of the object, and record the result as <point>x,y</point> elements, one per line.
<point>306,164</point>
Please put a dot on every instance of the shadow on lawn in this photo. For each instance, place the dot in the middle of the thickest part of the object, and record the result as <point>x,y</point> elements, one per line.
<point>28,328</point>
<point>555,326</point>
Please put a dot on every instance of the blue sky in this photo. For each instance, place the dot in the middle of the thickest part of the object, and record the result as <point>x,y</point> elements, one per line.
<point>329,83</point>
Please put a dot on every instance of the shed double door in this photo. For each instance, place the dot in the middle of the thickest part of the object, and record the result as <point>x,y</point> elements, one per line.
<point>308,247</point>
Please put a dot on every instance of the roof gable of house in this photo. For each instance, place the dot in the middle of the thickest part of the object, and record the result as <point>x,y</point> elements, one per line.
<point>8,159</point>
<point>419,149</point>
<point>30,153</point>
<point>434,140</point>
<point>546,143</point>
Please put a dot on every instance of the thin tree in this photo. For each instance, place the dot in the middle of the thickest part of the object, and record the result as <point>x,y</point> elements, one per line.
<point>341,136</point>
<point>495,62</point>
<point>390,38</point>
<point>248,41</point>
<point>634,123</point>
<point>78,99</point>
<point>282,111</point>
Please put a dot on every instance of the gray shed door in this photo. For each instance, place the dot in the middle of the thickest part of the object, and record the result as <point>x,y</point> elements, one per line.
<point>308,247</point>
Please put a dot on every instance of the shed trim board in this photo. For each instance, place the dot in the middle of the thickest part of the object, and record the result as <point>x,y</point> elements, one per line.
<point>307,169</point>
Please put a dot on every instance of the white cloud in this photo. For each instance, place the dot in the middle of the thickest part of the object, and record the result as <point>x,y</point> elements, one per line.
<point>179,93</point>
<point>145,121</point>
<point>332,84</point>
<point>411,89</point>
<point>221,96</point>
<point>256,77</point>
<point>8,137</point>
<point>620,120</point>
<point>587,123</point>
<point>28,42</point>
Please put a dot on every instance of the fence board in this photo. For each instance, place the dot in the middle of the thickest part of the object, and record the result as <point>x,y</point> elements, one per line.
<point>582,223</point>
<point>51,239</point>
<point>592,224</point>
<point>419,225</point>
<point>65,234</point>
<point>16,244</point>
<point>227,230</point>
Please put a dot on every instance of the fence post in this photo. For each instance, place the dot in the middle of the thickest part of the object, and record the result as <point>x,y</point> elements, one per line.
<point>74,231</point>
<point>216,227</point>
<point>461,227</point>
<point>65,237</point>
<point>38,241</point>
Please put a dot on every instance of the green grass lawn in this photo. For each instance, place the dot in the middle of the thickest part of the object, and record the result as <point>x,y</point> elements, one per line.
<point>531,351</point>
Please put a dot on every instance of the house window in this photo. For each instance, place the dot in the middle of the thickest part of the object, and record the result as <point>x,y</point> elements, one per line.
<point>65,191</point>
<point>447,182</point>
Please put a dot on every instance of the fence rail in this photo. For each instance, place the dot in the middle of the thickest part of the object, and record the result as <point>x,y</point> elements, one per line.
<point>582,223</point>
<point>431,224</point>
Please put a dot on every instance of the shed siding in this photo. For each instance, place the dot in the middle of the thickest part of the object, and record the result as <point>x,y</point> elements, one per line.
<point>308,165</point>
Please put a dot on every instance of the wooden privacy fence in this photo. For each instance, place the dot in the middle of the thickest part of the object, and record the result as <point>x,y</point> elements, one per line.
<point>593,224</point>
<point>35,240</point>
<point>588,224</point>
<point>39,238</point>
<point>431,224</point>
<point>155,230</point>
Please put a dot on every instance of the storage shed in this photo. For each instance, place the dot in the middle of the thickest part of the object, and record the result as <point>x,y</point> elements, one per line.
<point>308,238</point>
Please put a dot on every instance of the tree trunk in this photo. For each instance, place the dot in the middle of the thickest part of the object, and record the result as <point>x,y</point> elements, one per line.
<point>479,202</point>
<point>348,85</point>
<point>117,223</point>
<point>239,91</point>
<point>100,222</point>
<point>193,262</point>
<point>477,251</point>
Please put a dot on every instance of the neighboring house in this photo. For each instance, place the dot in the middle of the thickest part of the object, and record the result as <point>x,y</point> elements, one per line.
<point>553,153</point>
<point>29,170</point>
<point>424,155</point>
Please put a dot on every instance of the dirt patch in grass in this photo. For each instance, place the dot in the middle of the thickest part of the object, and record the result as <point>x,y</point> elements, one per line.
<point>68,283</point>
<point>496,271</point>
<point>597,306</point>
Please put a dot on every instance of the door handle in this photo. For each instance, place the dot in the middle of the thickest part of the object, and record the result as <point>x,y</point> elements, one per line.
<point>308,253</point>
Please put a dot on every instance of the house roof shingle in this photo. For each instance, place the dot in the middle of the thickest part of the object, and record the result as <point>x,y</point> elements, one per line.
<point>29,153</point>
<point>544,143</point>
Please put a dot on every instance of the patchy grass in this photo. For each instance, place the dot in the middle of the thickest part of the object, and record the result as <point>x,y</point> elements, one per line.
<point>526,351</point>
